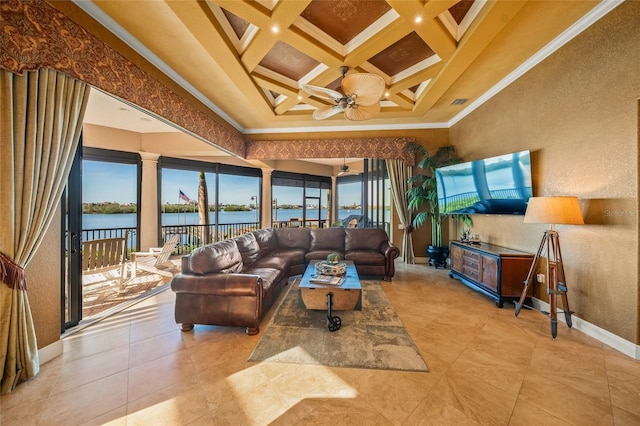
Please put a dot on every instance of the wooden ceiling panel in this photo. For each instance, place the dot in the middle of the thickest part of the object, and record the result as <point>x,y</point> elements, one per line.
<point>460,9</point>
<point>401,55</point>
<point>344,19</point>
<point>238,24</point>
<point>289,62</point>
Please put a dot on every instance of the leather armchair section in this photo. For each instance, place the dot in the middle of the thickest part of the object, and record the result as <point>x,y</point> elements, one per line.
<point>220,257</point>
<point>249,248</point>
<point>324,242</point>
<point>293,238</point>
<point>364,238</point>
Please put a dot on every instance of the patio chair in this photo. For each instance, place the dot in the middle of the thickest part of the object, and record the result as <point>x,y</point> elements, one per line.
<point>104,256</point>
<point>156,260</point>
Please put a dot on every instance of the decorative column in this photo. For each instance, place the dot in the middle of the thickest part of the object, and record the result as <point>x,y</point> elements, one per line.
<point>149,222</point>
<point>266,203</point>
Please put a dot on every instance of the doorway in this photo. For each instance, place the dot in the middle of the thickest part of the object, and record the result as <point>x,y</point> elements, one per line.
<point>100,202</point>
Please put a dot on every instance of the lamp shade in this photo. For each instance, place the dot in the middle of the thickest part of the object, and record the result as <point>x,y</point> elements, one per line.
<point>554,211</point>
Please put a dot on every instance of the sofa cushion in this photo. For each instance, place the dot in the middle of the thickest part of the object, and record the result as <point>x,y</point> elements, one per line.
<point>365,257</point>
<point>293,238</point>
<point>267,240</point>
<point>272,261</point>
<point>292,256</point>
<point>270,277</point>
<point>327,239</point>
<point>364,239</point>
<point>249,248</point>
<point>222,256</point>
<point>322,254</point>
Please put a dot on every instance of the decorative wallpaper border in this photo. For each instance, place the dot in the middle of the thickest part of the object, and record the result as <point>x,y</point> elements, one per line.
<point>33,35</point>
<point>382,148</point>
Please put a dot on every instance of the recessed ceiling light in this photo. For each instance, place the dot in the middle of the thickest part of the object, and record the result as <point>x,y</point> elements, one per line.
<point>459,101</point>
<point>145,119</point>
<point>299,97</point>
<point>418,19</point>
<point>123,109</point>
<point>275,29</point>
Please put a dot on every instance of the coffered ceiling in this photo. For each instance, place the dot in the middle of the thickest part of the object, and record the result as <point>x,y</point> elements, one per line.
<point>247,60</point>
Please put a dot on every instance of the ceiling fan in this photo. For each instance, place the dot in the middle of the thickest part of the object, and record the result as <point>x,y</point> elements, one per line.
<point>359,101</point>
<point>344,170</point>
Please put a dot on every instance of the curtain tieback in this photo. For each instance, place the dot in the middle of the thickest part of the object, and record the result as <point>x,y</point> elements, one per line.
<point>408,229</point>
<point>11,273</point>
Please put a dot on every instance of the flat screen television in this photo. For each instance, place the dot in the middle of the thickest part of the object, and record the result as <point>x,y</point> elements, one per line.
<point>496,185</point>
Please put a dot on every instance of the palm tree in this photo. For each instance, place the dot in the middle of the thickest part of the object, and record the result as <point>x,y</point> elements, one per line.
<point>203,208</point>
<point>423,193</point>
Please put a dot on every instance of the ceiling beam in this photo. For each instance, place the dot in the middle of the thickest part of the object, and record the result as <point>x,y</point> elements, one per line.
<point>489,23</point>
<point>433,8</point>
<point>417,78</point>
<point>281,17</point>
<point>204,27</point>
<point>431,30</point>
<point>378,42</point>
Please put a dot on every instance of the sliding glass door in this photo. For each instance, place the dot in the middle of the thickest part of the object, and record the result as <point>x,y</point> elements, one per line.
<point>100,201</point>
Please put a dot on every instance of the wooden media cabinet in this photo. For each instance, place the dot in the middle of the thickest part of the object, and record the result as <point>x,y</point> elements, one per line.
<point>496,271</point>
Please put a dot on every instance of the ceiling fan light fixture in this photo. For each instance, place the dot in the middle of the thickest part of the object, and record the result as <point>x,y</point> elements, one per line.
<point>359,90</point>
<point>344,170</point>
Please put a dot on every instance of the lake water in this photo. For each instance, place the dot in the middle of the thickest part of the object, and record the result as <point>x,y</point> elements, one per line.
<point>101,221</point>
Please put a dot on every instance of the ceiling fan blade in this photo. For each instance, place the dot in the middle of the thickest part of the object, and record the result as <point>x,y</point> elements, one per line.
<point>348,173</point>
<point>326,111</point>
<point>362,112</point>
<point>368,87</point>
<point>322,92</point>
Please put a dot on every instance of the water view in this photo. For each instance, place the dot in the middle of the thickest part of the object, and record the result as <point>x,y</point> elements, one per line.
<point>128,220</point>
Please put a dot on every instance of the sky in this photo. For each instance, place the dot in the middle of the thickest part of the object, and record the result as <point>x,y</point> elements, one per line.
<point>115,182</point>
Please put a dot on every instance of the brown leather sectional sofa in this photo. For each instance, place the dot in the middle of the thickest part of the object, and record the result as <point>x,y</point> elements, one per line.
<point>234,282</point>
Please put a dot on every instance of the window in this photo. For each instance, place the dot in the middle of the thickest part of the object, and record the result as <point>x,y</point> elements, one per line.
<point>300,200</point>
<point>378,194</point>
<point>110,194</point>
<point>349,197</point>
<point>366,197</point>
<point>233,198</point>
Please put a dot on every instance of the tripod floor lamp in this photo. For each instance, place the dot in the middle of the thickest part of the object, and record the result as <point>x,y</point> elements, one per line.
<point>552,211</point>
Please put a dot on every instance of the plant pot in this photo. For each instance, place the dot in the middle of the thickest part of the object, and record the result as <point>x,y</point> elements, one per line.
<point>438,256</point>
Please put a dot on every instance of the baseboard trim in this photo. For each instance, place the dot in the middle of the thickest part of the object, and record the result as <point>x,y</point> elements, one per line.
<point>616,342</point>
<point>50,352</point>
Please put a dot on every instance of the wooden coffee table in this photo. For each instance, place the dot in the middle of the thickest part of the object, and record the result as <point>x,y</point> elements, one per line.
<point>345,297</point>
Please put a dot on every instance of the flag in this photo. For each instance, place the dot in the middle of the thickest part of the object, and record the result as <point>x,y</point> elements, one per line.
<point>184,197</point>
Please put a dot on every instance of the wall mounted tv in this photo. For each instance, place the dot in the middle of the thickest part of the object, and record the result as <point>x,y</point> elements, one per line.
<point>496,185</point>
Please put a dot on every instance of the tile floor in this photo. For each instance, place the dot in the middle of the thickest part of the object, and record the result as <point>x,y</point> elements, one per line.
<point>487,368</point>
<point>99,293</point>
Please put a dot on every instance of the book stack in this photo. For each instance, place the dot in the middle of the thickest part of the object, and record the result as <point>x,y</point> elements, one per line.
<point>326,280</point>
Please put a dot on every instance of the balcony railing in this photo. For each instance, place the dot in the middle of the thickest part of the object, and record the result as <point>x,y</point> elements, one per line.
<point>193,236</point>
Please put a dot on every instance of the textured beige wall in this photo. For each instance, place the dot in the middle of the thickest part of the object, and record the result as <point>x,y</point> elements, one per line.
<point>43,283</point>
<point>577,112</point>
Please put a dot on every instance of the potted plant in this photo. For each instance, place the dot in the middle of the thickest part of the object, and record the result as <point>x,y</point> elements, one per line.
<point>423,193</point>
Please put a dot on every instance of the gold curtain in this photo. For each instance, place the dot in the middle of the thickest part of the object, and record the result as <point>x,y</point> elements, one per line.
<point>41,115</point>
<point>399,174</point>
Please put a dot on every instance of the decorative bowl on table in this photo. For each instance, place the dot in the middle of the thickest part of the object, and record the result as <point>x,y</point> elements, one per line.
<point>331,266</point>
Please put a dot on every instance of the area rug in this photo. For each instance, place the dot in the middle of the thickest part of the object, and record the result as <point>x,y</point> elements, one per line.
<point>371,338</point>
